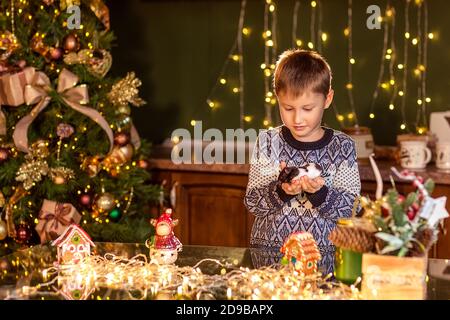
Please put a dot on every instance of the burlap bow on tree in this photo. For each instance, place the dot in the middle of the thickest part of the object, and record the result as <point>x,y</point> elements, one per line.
<point>72,95</point>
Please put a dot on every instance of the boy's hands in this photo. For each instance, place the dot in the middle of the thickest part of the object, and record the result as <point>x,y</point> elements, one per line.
<point>311,185</point>
<point>303,184</point>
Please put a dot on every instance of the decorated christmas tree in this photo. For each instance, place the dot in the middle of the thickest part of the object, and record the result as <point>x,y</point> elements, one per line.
<point>69,151</point>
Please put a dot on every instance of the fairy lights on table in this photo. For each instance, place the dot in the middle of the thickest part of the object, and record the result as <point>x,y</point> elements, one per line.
<point>143,280</point>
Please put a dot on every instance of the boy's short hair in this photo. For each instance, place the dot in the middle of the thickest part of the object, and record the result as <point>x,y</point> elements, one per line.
<point>297,70</point>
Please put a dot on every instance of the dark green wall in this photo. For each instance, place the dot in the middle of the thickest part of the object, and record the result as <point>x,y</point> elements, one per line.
<point>178,47</point>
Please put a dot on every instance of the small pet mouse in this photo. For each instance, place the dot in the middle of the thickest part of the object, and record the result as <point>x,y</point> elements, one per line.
<point>288,174</point>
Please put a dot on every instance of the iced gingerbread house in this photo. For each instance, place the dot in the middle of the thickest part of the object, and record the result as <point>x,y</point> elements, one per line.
<point>302,252</point>
<point>73,245</point>
<point>75,289</point>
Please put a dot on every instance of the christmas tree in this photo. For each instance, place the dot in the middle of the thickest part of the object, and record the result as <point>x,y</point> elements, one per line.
<point>69,151</point>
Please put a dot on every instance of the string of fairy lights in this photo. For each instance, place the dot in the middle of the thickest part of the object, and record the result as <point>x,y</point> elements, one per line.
<point>270,57</point>
<point>388,53</point>
<point>421,70</point>
<point>235,55</point>
<point>142,280</point>
<point>391,67</point>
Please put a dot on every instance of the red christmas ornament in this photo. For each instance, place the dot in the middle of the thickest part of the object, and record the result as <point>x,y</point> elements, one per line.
<point>86,199</point>
<point>143,164</point>
<point>23,233</point>
<point>55,53</point>
<point>121,139</point>
<point>4,154</point>
<point>71,43</point>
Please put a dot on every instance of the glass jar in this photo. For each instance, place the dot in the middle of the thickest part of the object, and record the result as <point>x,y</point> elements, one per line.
<point>363,140</point>
<point>347,264</point>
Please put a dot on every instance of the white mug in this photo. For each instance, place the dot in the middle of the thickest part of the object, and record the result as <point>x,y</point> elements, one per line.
<point>443,155</point>
<point>414,154</point>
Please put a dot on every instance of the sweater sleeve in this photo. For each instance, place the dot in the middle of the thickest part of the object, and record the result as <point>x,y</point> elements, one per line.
<point>264,195</point>
<point>337,201</point>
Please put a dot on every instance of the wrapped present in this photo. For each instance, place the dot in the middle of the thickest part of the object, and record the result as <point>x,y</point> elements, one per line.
<point>54,218</point>
<point>12,86</point>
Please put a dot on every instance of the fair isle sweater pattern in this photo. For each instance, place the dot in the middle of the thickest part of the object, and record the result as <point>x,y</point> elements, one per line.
<point>277,214</point>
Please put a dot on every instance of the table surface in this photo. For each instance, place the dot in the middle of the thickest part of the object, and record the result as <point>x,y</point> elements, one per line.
<point>24,268</point>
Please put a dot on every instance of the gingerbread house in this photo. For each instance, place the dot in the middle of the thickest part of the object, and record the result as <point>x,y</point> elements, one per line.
<point>73,288</point>
<point>302,252</point>
<point>73,245</point>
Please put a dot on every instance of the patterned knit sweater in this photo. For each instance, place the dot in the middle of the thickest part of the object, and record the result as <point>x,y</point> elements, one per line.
<point>278,214</point>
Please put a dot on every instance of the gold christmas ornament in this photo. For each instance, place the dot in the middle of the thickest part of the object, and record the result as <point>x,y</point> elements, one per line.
<point>37,45</point>
<point>64,4</point>
<point>100,63</point>
<point>81,57</point>
<point>118,156</point>
<point>39,149</point>
<point>2,200</point>
<point>3,230</point>
<point>104,202</point>
<point>8,44</point>
<point>124,109</point>
<point>91,165</point>
<point>126,91</point>
<point>60,175</point>
<point>124,123</point>
<point>31,172</point>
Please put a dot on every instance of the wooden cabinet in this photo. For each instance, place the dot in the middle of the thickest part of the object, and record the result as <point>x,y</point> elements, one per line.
<point>209,205</point>
<point>211,209</point>
<point>209,201</point>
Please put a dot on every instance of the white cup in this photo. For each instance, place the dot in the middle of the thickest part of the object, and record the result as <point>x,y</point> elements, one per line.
<point>414,154</point>
<point>443,155</point>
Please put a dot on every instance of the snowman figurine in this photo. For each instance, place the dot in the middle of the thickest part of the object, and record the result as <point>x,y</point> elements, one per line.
<point>165,245</point>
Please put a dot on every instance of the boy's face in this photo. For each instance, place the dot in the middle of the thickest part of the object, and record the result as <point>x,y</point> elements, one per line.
<point>302,115</point>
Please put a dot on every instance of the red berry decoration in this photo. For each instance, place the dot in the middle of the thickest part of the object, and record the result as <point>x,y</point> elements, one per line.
<point>385,212</point>
<point>411,214</point>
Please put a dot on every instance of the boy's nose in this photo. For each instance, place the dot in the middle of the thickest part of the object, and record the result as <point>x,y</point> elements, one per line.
<point>298,117</point>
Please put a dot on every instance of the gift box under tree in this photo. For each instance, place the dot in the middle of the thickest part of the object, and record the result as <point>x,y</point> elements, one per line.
<point>54,218</point>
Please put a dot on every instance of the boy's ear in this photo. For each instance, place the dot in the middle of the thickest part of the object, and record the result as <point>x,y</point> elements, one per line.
<point>329,98</point>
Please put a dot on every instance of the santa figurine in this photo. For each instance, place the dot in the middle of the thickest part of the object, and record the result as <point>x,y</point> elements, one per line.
<point>165,246</point>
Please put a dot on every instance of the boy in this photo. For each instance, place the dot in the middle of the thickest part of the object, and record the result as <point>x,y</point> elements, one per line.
<point>302,84</point>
